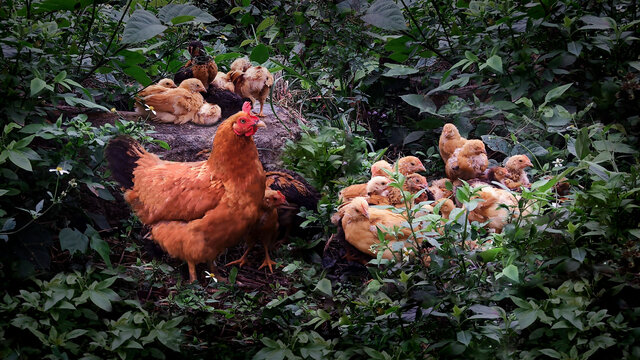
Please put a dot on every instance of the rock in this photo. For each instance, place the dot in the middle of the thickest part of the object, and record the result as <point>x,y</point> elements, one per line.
<point>190,142</point>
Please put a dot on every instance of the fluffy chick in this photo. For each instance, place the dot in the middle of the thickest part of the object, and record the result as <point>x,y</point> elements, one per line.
<point>439,189</point>
<point>490,209</point>
<point>254,83</point>
<point>160,87</point>
<point>409,165</point>
<point>516,166</point>
<point>378,168</point>
<point>450,140</point>
<point>222,81</point>
<point>178,105</point>
<point>360,224</point>
<point>240,64</point>
<point>468,162</point>
<point>265,230</point>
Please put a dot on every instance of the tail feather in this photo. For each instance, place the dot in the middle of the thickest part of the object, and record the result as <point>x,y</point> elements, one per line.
<point>122,154</point>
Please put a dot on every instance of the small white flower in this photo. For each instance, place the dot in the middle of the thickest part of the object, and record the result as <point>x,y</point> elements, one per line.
<point>59,170</point>
<point>73,183</point>
<point>149,108</point>
<point>63,194</point>
<point>211,276</point>
<point>558,162</point>
<point>405,254</point>
<point>373,249</point>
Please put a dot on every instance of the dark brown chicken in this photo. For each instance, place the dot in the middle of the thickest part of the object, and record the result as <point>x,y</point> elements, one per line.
<point>201,66</point>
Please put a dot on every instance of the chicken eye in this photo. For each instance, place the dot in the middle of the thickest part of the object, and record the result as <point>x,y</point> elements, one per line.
<point>243,121</point>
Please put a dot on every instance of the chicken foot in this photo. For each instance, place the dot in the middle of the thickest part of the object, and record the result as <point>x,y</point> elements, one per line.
<point>243,259</point>
<point>267,259</point>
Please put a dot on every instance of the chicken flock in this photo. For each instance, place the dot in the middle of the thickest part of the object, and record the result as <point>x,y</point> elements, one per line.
<point>197,210</point>
<point>204,95</point>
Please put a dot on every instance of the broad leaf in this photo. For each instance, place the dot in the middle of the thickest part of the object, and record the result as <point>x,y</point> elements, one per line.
<point>574,48</point>
<point>578,254</point>
<point>37,85</point>
<point>511,272</point>
<point>259,54</point>
<point>139,74</point>
<point>169,12</point>
<point>596,23</point>
<point>556,92</point>
<point>268,21</point>
<point>324,286</point>
<point>399,70</point>
<point>495,62</point>
<point>422,102</point>
<point>20,159</point>
<point>142,26</point>
<point>73,101</point>
<point>73,240</point>
<point>413,136</point>
<point>385,14</point>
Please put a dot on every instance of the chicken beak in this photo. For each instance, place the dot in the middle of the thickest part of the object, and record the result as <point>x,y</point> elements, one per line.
<point>528,163</point>
<point>260,123</point>
<point>422,168</point>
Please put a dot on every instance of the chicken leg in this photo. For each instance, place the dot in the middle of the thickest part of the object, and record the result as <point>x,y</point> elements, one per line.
<point>267,259</point>
<point>261,114</point>
<point>243,259</point>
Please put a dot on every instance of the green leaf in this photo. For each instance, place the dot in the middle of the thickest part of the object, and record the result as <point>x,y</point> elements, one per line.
<point>142,26</point>
<point>556,92</point>
<point>525,318</point>
<point>99,245</point>
<point>422,102</point>
<point>464,337</point>
<point>399,70</point>
<point>73,240</point>
<point>20,159</point>
<point>100,299</point>
<point>491,254</point>
<point>37,85</point>
<point>139,74</point>
<point>578,254</point>
<point>471,56</point>
<point>324,286</point>
<point>268,21</point>
<point>259,54</point>
<point>73,101</point>
<point>635,232</point>
<point>635,65</point>
<point>61,75</point>
<point>495,62</point>
<point>574,48</point>
<point>496,143</point>
<point>169,12</point>
<point>386,15</point>
<point>413,136</point>
<point>596,23</point>
<point>582,143</point>
<point>246,42</point>
<point>511,272</point>
<point>182,19</point>
<point>551,353</point>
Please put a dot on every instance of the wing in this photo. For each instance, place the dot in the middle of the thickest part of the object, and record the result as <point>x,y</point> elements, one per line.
<point>152,89</point>
<point>174,101</point>
<point>173,191</point>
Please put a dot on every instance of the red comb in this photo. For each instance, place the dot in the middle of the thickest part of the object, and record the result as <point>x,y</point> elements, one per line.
<point>246,107</point>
